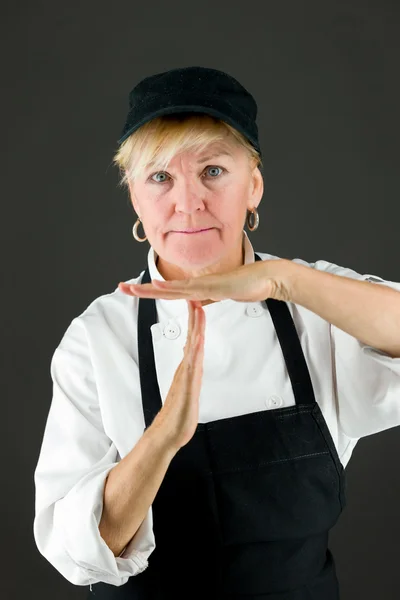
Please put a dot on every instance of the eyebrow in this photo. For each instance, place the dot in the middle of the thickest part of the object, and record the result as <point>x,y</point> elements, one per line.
<point>214,155</point>
<point>201,159</point>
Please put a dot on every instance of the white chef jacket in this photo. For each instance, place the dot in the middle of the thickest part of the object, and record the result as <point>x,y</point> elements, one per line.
<point>96,414</point>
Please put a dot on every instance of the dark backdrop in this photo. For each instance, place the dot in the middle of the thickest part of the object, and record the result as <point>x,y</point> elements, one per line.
<point>326,78</point>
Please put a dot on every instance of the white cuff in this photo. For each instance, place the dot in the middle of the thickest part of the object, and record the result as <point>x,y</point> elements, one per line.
<point>76,518</point>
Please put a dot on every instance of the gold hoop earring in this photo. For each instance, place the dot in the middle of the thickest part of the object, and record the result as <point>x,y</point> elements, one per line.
<point>134,232</point>
<point>256,219</point>
<point>251,227</point>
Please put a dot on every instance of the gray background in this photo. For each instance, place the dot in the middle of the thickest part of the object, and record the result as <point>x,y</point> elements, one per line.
<point>325,76</point>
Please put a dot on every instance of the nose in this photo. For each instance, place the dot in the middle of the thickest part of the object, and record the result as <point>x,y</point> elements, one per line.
<point>189,195</point>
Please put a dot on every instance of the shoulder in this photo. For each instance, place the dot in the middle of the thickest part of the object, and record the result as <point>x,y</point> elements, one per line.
<point>108,317</point>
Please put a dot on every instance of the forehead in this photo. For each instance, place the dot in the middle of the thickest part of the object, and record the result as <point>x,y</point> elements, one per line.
<point>216,150</point>
<point>211,151</point>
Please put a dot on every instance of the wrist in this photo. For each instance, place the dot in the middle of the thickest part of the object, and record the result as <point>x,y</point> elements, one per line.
<point>284,274</point>
<point>296,281</point>
<point>162,435</point>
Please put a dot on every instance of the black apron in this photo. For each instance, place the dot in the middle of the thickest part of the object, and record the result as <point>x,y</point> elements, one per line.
<point>245,508</point>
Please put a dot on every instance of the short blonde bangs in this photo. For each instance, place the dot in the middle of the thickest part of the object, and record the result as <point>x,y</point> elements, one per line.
<point>155,143</point>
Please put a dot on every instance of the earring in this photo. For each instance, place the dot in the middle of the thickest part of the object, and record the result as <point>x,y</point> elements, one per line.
<point>134,232</point>
<point>256,219</point>
<point>251,227</point>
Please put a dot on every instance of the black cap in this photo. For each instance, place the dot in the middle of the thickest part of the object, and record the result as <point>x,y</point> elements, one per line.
<point>194,90</point>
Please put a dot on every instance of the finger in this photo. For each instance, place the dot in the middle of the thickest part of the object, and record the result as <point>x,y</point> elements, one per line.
<point>201,317</point>
<point>191,324</point>
<point>196,330</point>
<point>200,322</point>
<point>190,316</point>
<point>149,291</point>
<point>194,334</point>
<point>123,287</point>
<point>199,343</point>
<point>197,325</point>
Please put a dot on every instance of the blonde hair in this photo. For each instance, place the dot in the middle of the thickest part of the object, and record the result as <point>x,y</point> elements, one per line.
<point>156,142</point>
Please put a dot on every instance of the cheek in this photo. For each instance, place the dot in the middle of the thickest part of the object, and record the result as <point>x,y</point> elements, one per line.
<point>231,196</point>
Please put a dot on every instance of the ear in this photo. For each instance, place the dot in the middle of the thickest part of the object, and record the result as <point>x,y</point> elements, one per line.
<point>258,186</point>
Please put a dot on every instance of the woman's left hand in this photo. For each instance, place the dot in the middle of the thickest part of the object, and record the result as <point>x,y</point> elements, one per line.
<point>251,282</point>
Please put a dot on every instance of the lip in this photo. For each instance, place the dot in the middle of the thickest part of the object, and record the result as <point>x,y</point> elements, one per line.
<point>190,231</point>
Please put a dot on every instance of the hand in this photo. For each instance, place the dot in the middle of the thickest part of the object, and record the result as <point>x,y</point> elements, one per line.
<point>179,415</point>
<point>252,282</point>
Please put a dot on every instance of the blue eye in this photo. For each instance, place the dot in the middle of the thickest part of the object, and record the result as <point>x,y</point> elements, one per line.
<point>158,173</point>
<point>215,168</point>
<point>164,173</point>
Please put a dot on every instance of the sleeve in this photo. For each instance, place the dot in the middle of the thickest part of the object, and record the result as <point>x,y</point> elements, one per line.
<point>75,458</point>
<point>367,379</point>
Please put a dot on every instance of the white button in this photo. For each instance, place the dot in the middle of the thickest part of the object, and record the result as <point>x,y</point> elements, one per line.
<point>254,310</point>
<point>274,402</point>
<point>172,330</point>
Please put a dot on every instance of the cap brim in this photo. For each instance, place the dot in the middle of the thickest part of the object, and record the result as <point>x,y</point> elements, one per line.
<point>168,110</point>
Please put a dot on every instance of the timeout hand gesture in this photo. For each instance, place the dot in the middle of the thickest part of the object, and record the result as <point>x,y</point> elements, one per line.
<point>253,282</point>
<point>248,283</point>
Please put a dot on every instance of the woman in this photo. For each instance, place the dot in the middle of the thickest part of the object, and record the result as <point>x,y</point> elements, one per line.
<point>198,433</point>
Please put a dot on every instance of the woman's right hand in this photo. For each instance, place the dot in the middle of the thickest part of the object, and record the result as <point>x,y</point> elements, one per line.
<point>179,415</point>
